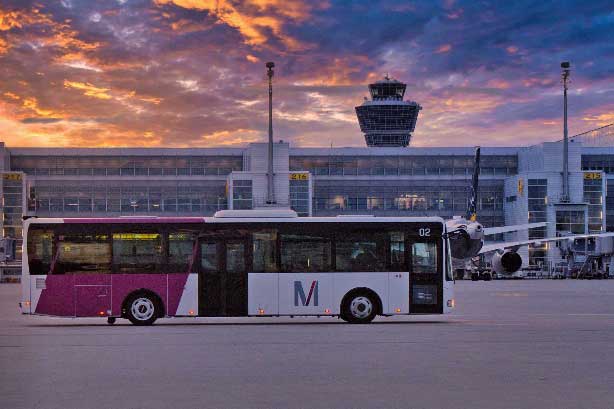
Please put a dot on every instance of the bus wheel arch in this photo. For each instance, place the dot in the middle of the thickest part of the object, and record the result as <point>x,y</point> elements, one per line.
<point>360,298</point>
<point>147,302</point>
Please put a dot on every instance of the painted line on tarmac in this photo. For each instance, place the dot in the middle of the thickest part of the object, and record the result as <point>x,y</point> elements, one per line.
<point>593,315</point>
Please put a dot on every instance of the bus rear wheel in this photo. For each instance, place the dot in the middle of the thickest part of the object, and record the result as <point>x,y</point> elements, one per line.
<point>142,309</point>
<point>359,308</point>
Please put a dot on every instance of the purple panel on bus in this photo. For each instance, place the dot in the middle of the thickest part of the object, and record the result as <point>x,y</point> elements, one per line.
<point>176,287</point>
<point>124,284</point>
<point>58,297</point>
<point>150,220</point>
<point>92,279</point>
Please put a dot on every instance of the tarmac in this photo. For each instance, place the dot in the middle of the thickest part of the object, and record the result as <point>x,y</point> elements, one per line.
<point>509,344</point>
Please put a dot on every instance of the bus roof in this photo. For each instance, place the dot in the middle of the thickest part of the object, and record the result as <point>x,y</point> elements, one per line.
<point>218,220</point>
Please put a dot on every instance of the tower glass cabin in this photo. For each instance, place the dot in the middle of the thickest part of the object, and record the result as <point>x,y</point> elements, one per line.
<point>385,119</point>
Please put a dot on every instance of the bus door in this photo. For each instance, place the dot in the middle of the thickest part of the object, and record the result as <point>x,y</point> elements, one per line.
<point>223,277</point>
<point>425,275</point>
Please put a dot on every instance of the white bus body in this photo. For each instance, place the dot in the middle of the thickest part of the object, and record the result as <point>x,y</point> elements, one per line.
<point>143,268</point>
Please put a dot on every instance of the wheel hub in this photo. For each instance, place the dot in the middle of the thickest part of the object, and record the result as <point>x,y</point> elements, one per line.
<point>361,307</point>
<point>142,309</point>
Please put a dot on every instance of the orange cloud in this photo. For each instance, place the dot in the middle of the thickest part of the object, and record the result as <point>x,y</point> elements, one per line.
<point>78,60</point>
<point>4,46</point>
<point>498,84</point>
<point>229,138</point>
<point>347,70</point>
<point>444,48</point>
<point>512,49</point>
<point>53,34</point>
<point>32,104</point>
<point>12,96</point>
<point>251,58</point>
<point>601,119</point>
<point>9,20</point>
<point>153,100</point>
<point>249,18</point>
<point>466,105</point>
<point>184,25</point>
<point>88,89</point>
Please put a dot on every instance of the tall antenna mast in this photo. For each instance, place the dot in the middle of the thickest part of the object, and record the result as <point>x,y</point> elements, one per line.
<point>270,187</point>
<point>565,77</point>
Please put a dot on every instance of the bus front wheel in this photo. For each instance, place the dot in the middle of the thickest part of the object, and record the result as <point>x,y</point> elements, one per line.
<point>359,307</point>
<point>142,308</point>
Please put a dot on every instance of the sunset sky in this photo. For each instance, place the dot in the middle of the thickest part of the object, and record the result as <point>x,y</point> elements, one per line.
<point>191,72</point>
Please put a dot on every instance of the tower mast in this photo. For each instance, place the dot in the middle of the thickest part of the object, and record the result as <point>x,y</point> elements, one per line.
<point>270,187</point>
<point>565,76</point>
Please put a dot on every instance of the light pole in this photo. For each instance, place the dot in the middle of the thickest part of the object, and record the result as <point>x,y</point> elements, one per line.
<point>565,76</point>
<point>270,187</point>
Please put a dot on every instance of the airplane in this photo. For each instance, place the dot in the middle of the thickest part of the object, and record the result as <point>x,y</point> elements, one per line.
<point>466,235</point>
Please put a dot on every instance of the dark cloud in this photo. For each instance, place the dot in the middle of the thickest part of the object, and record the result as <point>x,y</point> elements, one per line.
<point>40,120</point>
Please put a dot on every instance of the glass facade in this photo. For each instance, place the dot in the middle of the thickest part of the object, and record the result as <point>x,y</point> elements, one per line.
<point>58,199</point>
<point>598,162</point>
<point>609,206</point>
<point>11,206</point>
<point>400,165</point>
<point>242,194</point>
<point>384,182</point>
<point>570,221</point>
<point>537,196</point>
<point>127,166</point>
<point>299,196</point>
<point>593,195</point>
<point>406,198</point>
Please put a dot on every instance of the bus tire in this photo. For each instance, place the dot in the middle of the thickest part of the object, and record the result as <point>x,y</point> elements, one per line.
<point>143,308</point>
<point>360,306</point>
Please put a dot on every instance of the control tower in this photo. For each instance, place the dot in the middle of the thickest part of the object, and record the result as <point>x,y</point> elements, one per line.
<point>385,119</point>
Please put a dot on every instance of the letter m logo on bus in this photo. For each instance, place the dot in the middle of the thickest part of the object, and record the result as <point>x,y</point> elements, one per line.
<point>299,294</point>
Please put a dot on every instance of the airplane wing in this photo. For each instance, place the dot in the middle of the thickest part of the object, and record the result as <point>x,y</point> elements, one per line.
<point>504,229</point>
<point>488,248</point>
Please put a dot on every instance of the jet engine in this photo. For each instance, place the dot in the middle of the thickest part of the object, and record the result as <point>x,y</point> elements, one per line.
<point>507,262</point>
<point>466,238</point>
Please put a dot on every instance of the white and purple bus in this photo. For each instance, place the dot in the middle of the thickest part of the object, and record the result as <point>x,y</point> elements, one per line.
<point>237,263</point>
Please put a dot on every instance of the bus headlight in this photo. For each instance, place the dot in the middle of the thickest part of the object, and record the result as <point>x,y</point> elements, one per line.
<point>451,303</point>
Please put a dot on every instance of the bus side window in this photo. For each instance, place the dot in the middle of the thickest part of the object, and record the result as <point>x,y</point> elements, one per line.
<point>40,251</point>
<point>180,252</point>
<point>360,252</point>
<point>397,251</point>
<point>424,258</point>
<point>305,253</point>
<point>265,251</point>
<point>83,254</point>
<point>138,253</point>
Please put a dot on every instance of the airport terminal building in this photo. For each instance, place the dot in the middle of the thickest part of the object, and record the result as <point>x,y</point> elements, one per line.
<point>517,184</point>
